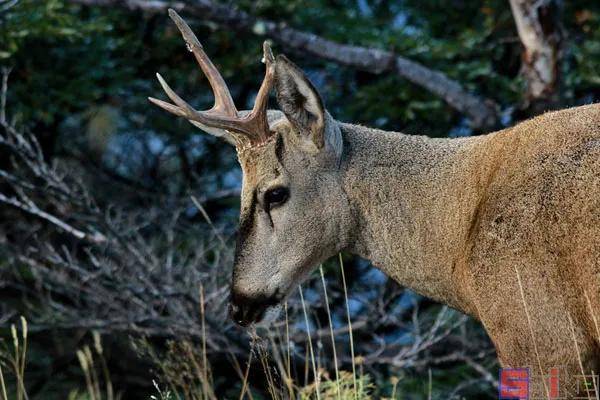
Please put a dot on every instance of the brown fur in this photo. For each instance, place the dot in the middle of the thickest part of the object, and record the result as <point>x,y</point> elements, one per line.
<point>456,219</point>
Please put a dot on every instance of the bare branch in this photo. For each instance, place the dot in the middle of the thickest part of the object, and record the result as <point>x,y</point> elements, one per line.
<point>33,209</point>
<point>6,5</point>
<point>3,93</point>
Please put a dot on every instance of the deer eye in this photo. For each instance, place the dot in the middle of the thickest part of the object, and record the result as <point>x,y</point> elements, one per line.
<point>276,196</point>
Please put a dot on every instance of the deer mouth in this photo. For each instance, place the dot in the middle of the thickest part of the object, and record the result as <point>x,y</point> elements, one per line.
<point>246,310</point>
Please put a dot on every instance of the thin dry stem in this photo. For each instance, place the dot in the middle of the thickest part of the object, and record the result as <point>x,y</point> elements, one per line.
<point>204,361</point>
<point>578,352</point>
<point>335,360</point>
<point>593,315</point>
<point>537,354</point>
<point>103,364</point>
<point>349,323</point>
<point>310,345</point>
<point>83,362</point>
<point>3,385</point>
<point>245,381</point>
<point>288,352</point>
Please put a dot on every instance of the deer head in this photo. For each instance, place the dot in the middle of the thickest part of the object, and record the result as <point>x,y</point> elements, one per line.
<point>294,213</point>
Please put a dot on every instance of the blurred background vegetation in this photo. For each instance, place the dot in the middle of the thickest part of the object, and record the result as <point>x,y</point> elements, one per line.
<point>155,199</point>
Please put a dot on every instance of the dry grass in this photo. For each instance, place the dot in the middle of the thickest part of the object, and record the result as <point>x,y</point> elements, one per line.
<point>15,360</point>
<point>185,370</point>
<point>186,373</point>
<point>93,364</point>
<point>95,371</point>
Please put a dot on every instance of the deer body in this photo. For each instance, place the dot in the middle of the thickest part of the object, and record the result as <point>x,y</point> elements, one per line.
<point>504,227</point>
<point>455,219</point>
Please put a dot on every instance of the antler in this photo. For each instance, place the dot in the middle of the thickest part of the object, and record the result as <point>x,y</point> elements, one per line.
<point>223,115</point>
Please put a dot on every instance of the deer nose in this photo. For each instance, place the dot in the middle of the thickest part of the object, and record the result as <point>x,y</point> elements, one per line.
<point>238,314</point>
<point>245,310</point>
<point>244,313</point>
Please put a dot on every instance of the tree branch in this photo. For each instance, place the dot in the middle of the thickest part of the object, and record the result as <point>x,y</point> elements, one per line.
<point>481,112</point>
<point>31,208</point>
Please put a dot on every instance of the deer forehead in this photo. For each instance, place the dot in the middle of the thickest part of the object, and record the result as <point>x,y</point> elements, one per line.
<point>260,162</point>
<point>260,165</point>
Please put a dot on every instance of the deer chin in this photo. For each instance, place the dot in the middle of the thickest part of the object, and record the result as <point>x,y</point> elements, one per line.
<point>270,315</point>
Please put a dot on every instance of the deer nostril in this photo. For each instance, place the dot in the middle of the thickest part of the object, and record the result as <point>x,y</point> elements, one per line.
<point>236,313</point>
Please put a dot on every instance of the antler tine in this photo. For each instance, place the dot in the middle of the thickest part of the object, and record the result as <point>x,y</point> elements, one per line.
<point>258,115</point>
<point>183,109</point>
<point>168,107</point>
<point>223,100</point>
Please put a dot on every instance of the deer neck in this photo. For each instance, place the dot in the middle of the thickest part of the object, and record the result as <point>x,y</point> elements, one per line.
<point>414,200</point>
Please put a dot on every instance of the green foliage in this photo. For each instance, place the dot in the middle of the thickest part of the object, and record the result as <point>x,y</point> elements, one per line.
<point>58,57</point>
<point>343,388</point>
<point>68,58</point>
<point>582,51</point>
<point>472,42</point>
<point>47,21</point>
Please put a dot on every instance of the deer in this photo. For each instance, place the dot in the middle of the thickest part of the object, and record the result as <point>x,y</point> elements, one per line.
<point>504,227</point>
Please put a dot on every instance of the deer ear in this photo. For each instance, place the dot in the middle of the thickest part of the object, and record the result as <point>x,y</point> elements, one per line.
<point>300,102</point>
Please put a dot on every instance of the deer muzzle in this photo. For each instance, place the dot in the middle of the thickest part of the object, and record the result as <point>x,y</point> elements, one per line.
<point>246,310</point>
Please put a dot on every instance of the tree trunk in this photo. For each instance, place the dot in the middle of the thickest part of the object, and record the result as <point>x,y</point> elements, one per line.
<point>539,27</point>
